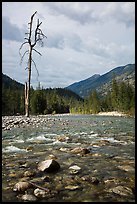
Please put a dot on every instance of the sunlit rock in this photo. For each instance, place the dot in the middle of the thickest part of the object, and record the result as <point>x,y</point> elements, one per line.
<point>49,165</point>
<point>21,186</point>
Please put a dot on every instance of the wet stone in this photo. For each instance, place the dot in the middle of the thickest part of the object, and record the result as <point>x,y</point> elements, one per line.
<point>71,187</point>
<point>12,175</point>
<point>121,190</point>
<point>29,173</point>
<point>28,197</point>
<point>21,186</point>
<point>46,178</point>
<point>92,180</point>
<point>41,193</point>
<point>127,168</point>
<point>80,150</point>
<point>49,165</point>
<point>74,169</point>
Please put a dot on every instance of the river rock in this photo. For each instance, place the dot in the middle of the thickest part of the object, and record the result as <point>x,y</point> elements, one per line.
<point>90,179</point>
<point>80,150</point>
<point>74,169</point>
<point>29,173</point>
<point>111,181</point>
<point>63,138</point>
<point>52,156</point>
<point>40,193</point>
<point>121,190</point>
<point>28,197</point>
<point>94,180</point>
<point>127,168</point>
<point>21,186</point>
<point>49,165</point>
<point>29,148</point>
<point>71,187</point>
<point>63,149</point>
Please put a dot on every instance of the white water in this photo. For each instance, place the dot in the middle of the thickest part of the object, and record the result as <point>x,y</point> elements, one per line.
<point>12,148</point>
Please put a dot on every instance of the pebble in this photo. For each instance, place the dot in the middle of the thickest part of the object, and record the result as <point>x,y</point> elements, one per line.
<point>28,174</point>
<point>75,167</point>
<point>71,187</point>
<point>92,180</point>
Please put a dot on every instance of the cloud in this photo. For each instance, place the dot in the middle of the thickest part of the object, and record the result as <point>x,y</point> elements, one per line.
<point>65,40</point>
<point>83,38</point>
<point>85,12</point>
<point>78,11</point>
<point>56,41</point>
<point>123,12</point>
<point>10,31</point>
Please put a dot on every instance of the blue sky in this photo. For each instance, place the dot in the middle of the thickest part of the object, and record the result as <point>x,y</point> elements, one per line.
<point>83,39</point>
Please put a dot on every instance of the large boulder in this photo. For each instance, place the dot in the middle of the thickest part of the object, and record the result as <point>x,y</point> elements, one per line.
<point>49,165</point>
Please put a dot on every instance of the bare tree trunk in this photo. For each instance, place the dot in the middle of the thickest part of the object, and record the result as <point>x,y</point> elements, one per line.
<point>26,99</point>
<point>38,37</point>
<point>27,96</point>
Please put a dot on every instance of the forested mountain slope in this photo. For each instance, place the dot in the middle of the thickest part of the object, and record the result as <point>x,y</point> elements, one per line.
<point>102,83</point>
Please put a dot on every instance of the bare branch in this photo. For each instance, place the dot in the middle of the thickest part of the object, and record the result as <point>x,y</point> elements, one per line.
<point>37,51</point>
<point>35,66</point>
<point>22,46</point>
<point>23,56</point>
<point>41,33</point>
<point>33,15</point>
<point>30,32</point>
<point>40,24</point>
<point>37,186</point>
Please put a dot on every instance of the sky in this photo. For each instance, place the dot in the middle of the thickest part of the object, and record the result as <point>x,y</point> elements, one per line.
<point>83,39</point>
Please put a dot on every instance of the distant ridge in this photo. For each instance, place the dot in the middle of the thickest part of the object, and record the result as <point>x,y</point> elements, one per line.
<point>101,83</point>
<point>7,83</point>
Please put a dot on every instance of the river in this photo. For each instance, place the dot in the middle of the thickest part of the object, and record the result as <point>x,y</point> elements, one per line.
<point>110,159</point>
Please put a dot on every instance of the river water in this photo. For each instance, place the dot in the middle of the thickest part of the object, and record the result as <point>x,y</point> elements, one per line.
<point>111,158</point>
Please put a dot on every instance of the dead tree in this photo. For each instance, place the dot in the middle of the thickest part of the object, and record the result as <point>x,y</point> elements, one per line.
<point>33,37</point>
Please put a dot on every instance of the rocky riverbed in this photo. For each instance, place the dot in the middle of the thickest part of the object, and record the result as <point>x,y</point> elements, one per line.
<point>68,158</point>
<point>9,122</point>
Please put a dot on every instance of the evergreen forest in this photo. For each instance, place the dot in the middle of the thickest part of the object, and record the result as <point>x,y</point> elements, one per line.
<point>121,97</point>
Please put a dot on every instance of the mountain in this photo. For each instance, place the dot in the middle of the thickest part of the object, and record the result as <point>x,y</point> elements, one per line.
<point>64,93</point>
<point>102,83</point>
<point>9,83</point>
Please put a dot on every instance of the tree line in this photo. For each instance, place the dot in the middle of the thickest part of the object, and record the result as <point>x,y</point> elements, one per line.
<point>121,97</point>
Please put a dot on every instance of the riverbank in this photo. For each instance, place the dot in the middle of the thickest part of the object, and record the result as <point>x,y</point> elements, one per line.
<point>112,113</point>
